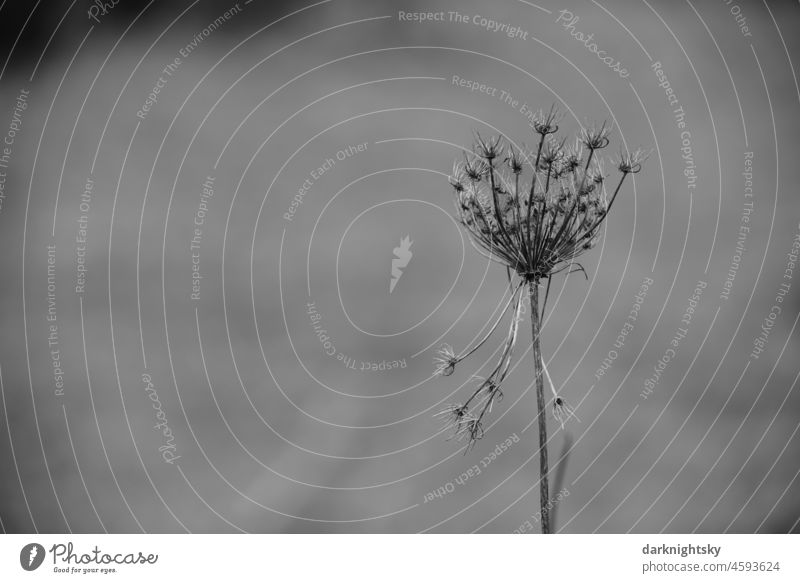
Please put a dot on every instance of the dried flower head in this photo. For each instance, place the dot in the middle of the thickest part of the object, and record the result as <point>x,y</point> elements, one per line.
<point>546,123</point>
<point>562,411</point>
<point>631,162</point>
<point>473,431</point>
<point>597,174</point>
<point>475,170</point>
<point>539,227</point>
<point>456,178</point>
<point>571,161</point>
<point>453,415</point>
<point>552,152</point>
<point>445,360</point>
<point>536,228</point>
<point>515,161</point>
<point>490,149</point>
<point>596,138</point>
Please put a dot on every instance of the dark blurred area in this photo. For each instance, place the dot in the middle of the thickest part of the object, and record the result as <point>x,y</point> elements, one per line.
<point>28,26</point>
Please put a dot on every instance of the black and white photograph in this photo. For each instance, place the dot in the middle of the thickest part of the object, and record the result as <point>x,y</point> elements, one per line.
<point>395,267</point>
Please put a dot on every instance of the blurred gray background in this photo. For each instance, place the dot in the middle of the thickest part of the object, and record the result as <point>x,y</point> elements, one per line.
<point>273,427</point>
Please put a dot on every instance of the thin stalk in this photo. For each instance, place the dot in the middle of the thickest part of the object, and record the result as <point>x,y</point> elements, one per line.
<point>547,183</point>
<point>544,489</point>
<point>585,171</point>
<point>495,325</point>
<point>518,209</point>
<point>496,202</point>
<point>533,189</point>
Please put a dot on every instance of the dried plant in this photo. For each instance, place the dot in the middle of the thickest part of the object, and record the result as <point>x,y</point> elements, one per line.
<point>536,229</point>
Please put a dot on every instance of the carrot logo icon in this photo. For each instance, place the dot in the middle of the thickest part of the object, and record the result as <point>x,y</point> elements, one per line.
<point>31,556</point>
<point>402,255</point>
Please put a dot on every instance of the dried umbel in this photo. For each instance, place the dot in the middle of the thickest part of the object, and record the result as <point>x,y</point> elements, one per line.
<point>539,227</point>
<point>536,227</point>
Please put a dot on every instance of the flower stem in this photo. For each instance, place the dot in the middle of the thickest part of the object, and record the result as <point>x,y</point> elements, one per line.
<point>544,490</point>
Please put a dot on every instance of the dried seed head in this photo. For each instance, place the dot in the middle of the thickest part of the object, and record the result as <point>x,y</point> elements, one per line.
<point>562,411</point>
<point>597,174</point>
<point>546,123</point>
<point>514,161</point>
<point>475,170</point>
<point>457,185</point>
<point>445,360</point>
<point>631,163</point>
<point>456,417</point>
<point>457,178</point>
<point>595,138</point>
<point>472,429</point>
<point>552,152</point>
<point>536,228</point>
<point>489,149</point>
<point>572,158</point>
